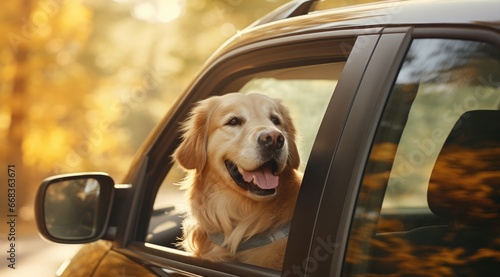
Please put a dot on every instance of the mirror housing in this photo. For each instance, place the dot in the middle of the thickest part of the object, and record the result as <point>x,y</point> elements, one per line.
<point>74,208</point>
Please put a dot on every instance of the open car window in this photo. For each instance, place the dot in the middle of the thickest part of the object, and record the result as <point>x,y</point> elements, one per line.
<point>304,90</point>
<point>429,200</point>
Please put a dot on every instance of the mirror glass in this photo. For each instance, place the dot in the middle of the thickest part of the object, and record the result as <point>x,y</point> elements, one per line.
<point>71,208</point>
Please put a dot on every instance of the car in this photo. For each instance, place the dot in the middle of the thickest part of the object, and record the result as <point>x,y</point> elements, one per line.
<point>397,104</point>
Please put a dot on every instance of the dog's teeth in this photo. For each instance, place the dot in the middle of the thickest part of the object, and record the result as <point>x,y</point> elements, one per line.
<point>247,176</point>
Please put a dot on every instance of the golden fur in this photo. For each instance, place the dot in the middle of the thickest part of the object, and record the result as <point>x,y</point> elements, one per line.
<point>218,204</point>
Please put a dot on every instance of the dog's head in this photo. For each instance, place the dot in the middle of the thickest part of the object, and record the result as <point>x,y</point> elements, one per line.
<point>246,140</point>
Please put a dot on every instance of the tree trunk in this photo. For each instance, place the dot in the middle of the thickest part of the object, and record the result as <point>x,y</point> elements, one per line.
<point>19,109</point>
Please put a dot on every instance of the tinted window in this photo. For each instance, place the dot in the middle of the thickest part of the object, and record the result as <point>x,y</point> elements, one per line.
<point>429,204</point>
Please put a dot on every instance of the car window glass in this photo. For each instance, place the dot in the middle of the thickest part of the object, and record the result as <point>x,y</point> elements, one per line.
<point>430,197</point>
<point>304,90</point>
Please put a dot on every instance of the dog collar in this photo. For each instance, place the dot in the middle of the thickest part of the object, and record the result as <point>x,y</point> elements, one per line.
<point>259,240</point>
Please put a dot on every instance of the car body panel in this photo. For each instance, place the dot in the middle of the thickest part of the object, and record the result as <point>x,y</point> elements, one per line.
<point>87,259</point>
<point>116,264</point>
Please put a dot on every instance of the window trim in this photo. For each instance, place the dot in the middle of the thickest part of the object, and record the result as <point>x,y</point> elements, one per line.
<point>464,33</point>
<point>227,68</point>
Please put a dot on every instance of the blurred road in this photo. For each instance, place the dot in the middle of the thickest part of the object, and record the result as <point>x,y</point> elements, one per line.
<point>36,257</point>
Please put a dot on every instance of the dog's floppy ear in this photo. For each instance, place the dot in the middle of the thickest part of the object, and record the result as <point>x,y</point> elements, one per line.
<point>293,151</point>
<point>192,152</point>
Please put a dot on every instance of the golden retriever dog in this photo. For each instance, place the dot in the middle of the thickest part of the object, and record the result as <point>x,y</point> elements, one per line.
<point>243,182</point>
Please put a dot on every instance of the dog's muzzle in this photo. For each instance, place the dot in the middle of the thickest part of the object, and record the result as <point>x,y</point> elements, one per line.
<point>261,182</point>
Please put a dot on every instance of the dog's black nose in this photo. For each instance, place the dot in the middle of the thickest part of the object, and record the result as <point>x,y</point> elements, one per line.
<point>271,139</point>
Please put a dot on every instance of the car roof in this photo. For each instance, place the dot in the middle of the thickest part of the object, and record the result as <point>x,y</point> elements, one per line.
<point>375,16</point>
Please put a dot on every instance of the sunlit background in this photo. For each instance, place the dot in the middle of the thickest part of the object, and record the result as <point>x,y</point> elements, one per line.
<point>83,82</point>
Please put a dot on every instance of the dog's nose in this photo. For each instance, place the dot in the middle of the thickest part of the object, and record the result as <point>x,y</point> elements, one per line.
<point>272,139</point>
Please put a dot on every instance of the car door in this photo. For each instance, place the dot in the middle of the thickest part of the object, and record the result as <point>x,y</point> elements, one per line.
<point>418,161</point>
<point>316,75</point>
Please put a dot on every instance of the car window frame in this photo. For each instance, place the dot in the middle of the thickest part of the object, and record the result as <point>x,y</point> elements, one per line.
<point>168,136</point>
<point>361,106</point>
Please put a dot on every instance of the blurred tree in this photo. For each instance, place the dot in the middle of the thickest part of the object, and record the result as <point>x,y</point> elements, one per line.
<point>14,82</point>
<point>149,56</point>
<point>43,87</point>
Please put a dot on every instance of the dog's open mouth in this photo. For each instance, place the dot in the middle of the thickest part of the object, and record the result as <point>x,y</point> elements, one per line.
<point>261,181</point>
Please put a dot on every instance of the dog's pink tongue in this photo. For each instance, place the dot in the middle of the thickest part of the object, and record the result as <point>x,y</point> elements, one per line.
<point>262,177</point>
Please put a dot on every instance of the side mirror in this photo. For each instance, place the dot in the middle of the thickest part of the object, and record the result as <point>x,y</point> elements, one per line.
<point>74,208</point>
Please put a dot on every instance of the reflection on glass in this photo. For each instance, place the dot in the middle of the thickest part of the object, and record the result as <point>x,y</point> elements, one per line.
<point>448,78</point>
<point>429,204</point>
<point>71,208</point>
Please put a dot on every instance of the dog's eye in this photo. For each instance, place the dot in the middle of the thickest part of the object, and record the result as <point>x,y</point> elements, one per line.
<point>234,121</point>
<point>275,120</point>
